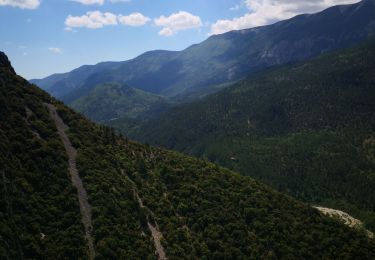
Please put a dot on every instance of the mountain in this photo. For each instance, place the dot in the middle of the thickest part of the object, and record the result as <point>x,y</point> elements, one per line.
<point>306,129</point>
<point>73,189</point>
<point>120,106</point>
<point>111,101</point>
<point>222,59</point>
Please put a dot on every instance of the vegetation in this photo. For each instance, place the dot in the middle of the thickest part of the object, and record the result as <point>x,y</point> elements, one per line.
<point>306,129</point>
<point>39,212</point>
<point>203,211</point>
<point>119,105</point>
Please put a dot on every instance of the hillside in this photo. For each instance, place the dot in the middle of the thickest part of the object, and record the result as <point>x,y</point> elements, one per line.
<point>110,101</point>
<point>73,189</point>
<point>222,59</point>
<point>307,130</point>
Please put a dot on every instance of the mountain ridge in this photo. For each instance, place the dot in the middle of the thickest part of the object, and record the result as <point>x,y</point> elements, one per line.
<point>108,102</point>
<point>230,56</point>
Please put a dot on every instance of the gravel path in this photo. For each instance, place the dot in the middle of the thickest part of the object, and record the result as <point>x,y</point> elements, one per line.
<point>84,205</point>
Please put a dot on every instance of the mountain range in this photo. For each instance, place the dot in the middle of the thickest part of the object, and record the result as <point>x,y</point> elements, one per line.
<point>74,189</point>
<point>222,59</point>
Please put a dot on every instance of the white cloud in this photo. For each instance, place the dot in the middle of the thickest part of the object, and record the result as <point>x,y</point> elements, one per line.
<point>92,20</point>
<point>55,50</point>
<point>24,4</point>
<point>89,2</point>
<point>71,30</point>
<point>166,32</point>
<point>177,22</point>
<point>134,19</point>
<point>262,12</point>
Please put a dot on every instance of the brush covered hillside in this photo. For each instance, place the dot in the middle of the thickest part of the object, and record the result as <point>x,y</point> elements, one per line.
<point>114,102</point>
<point>222,59</point>
<point>131,201</point>
<point>307,130</point>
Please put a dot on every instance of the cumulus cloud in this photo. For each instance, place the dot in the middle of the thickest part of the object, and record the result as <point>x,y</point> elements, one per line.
<point>170,25</point>
<point>134,19</point>
<point>89,2</point>
<point>55,50</point>
<point>24,4</point>
<point>263,12</point>
<point>92,20</point>
<point>177,22</point>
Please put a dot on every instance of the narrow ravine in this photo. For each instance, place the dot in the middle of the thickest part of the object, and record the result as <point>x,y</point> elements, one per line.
<point>154,229</point>
<point>84,205</point>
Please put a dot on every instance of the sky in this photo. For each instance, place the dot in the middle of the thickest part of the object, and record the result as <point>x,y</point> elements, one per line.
<point>42,37</point>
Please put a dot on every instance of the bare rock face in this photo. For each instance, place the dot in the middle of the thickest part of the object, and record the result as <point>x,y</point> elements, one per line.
<point>5,63</point>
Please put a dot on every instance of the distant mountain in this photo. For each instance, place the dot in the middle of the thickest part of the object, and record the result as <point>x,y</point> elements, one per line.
<point>120,106</point>
<point>111,101</point>
<point>222,59</point>
<point>307,129</point>
<point>71,189</point>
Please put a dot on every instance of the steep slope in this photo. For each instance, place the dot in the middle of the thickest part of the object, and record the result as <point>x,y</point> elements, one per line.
<point>40,215</point>
<point>109,102</point>
<point>221,59</point>
<point>307,130</point>
<point>146,203</point>
<point>84,205</point>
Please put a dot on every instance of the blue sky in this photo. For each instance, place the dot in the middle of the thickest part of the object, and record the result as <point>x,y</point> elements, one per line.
<point>42,37</point>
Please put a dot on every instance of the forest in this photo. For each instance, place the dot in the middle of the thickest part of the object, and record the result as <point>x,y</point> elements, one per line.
<point>305,129</point>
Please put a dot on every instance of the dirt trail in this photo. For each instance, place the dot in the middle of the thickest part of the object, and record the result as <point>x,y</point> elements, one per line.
<point>84,205</point>
<point>155,232</point>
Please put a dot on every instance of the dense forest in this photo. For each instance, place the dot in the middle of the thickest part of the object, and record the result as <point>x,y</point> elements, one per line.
<point>305,129</point>
<point>200,209</point>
